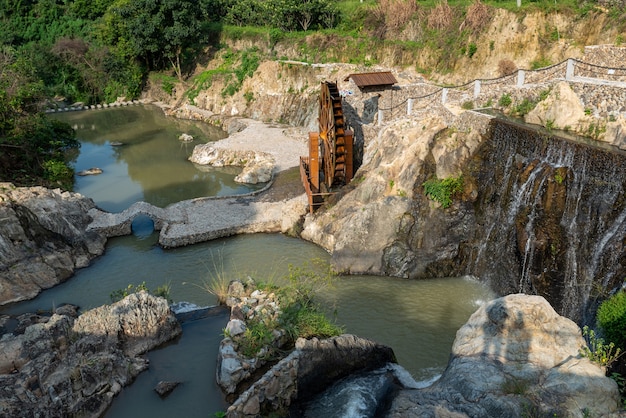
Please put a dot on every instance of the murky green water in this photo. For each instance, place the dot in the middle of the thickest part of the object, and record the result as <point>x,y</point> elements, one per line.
<point>419,319</point>
<point>141,158</point>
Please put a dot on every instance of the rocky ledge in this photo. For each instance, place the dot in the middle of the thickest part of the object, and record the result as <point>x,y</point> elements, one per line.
<point>43,239</point>
<point>265,385</point>
<point>514,357</point>
<point>68,365</point>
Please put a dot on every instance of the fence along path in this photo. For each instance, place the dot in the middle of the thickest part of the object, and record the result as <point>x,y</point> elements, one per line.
<point>423,95</point>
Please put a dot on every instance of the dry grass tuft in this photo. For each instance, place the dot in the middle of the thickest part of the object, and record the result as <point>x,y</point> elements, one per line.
<point>477,18</point>
<point>390,17</point>
<point>506,67</point>
<point>440,16</point>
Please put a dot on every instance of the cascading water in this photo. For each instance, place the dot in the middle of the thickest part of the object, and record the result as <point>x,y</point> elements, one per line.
<point>552,218</point>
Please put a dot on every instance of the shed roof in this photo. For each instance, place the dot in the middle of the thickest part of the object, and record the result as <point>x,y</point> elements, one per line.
<point>383,78</point>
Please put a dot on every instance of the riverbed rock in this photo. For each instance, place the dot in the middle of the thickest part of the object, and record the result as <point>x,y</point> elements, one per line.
<point>164,388</point>
<point>258,167</point>
<point>62,366</point>
<point>43,239</point>
<point>93,171</point>
<point>514,357</point>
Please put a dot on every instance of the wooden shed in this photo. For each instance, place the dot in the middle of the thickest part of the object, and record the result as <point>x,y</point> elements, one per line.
<point>373,81</point>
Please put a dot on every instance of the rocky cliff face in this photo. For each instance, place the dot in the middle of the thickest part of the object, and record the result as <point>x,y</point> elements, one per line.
<point>65,365</point>
<point>385,224</point>
<point>43,239</point>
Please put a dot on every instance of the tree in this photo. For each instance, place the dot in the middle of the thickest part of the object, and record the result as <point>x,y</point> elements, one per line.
<point>159,31</point>
<point>32,145</point>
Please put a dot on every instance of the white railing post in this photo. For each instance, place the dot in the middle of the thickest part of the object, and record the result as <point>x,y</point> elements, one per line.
<point>409,107</point>
<point>569,72</point>
<point>521,74</point>
<point>380,117</point>
<point>444,95</point>
<point>476,89</point>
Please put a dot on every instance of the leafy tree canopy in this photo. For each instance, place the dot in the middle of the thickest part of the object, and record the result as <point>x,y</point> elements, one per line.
<point>157,31</point>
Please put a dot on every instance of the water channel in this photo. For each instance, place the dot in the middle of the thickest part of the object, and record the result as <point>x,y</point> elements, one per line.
<point>418,319</point>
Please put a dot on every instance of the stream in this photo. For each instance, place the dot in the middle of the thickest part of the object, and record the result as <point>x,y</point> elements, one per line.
<point>418,319</point>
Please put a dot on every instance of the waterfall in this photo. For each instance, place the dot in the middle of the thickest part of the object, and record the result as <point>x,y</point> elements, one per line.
<point>551,213</point>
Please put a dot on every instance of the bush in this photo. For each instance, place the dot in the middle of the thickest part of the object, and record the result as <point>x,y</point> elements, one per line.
<point>477,17</point>
<point>611,319</point>
<point>597,351</point>
<point>440,16</point>
<point>442,190</point>
<point>505,100</point>
<point>525,107</point>
<point>506,67</point>
<point>59,172</point>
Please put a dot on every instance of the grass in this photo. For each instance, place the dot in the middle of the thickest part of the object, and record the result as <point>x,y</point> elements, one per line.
<point>442,190</point>
<point>297,314</point>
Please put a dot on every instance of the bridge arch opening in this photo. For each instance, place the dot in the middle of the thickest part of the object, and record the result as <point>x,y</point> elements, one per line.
<point>142,226</point>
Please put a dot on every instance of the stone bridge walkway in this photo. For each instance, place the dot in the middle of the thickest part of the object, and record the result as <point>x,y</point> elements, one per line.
<point>203,219</point>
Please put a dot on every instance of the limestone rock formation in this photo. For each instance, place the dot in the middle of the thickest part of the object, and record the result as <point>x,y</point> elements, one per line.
<point>561,109</point>
<point>61,366</point>
<point>514,357</point>
<point>369,229</point>
<point>43,239</point>
<point>257,166</point>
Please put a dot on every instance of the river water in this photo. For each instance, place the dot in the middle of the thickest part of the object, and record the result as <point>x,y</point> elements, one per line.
<point>419,319</point>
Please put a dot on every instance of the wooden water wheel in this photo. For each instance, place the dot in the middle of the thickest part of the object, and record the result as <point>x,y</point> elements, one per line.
<point>329,162</point>
<point>335,142</point>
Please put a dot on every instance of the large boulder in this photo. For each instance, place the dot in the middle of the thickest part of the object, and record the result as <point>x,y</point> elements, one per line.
<point>257,167</point>
<point>43,239</point>
<point>514,357</point>
<point>561,109</point>
<point>61,366</point>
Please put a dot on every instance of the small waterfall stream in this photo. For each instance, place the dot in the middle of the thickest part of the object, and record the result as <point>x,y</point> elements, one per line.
<point>553,217</point>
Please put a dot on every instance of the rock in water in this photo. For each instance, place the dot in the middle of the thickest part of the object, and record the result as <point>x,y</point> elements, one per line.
<point>90,172</point>
<point>43,239</point>
<point>185,138</point>
<point>164,388</point>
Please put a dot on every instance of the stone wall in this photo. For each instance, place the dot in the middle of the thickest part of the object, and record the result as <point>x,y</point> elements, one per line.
<point>606,55</point>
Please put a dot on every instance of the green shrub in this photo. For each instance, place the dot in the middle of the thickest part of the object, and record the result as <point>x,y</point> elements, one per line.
<point>161,291</point>
<point>442,190</point>
<point>505,100</point>
<point>611,318</point>
<point>120,294</point>
<point>299,315</point>
<point>525,107</point>
<point>597,351</point>
<point>58,172</point>
<point>471,50</point>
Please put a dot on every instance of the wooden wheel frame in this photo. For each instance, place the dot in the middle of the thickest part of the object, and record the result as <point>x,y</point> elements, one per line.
<point>327,135</point>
